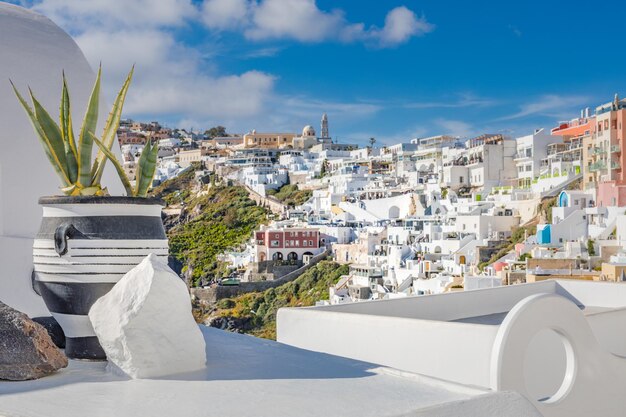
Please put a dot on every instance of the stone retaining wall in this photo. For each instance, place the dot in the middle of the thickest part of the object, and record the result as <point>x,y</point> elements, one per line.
<point>215,293</point>
<point>267,201</point>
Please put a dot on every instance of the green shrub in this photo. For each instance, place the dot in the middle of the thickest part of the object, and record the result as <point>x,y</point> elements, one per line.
<point>260,307</point>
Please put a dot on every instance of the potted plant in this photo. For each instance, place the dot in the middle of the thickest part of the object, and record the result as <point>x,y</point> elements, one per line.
<point>88,240</point>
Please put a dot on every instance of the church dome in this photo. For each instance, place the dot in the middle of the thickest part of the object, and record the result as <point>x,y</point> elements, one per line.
<point>308,131</point>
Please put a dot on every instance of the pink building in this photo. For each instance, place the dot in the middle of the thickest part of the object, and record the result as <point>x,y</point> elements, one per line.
<point>287,244</point>
<point>609,146</point>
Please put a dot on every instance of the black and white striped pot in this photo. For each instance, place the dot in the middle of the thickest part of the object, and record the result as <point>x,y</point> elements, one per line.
<point>84,246</point>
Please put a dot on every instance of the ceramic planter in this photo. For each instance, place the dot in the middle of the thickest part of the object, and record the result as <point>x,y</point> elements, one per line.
<point>84,246</point>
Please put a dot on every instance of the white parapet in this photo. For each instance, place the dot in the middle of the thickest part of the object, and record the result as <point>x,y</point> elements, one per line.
<point>558,343</point>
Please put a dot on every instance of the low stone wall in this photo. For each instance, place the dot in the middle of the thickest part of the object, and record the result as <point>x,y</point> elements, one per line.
<point>267,201</point>
<point>270,270</point>
<point>213,294</point>
<point>550,263</point>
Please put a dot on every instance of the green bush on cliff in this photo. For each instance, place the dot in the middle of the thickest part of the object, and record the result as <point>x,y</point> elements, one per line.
<point>290,195</point>
<point>261,307</point>
<point>222,218</point>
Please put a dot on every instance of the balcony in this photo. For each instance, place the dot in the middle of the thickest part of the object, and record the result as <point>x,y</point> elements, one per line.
<point>615,165</point>
<point>616,149</point>
<point>597,166</point>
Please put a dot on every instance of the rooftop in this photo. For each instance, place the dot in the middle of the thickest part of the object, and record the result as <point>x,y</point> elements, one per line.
<point>247,376</point>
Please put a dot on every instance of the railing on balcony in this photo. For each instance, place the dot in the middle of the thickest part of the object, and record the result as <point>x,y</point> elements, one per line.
<point>597,166</point>
<point>616,149</point>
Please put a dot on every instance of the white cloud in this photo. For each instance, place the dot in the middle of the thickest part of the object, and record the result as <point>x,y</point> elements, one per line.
<point>168,77</point>
<point>462,100</point>
<point>224,14</point>
<point>295,19</point>
<point>402,24</point>
<point>455,127</point>
<point>83,15</point>
<point>303,21</point>
<point>302,107</point>
<point>176,82</point>
<point>171,80</point>
<point>549,105</point>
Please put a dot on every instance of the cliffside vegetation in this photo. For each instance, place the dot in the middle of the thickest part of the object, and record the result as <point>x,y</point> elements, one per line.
<point>210,222</point>
<point>290,195</point>
<point>255,313</point>
<point>517,236</point>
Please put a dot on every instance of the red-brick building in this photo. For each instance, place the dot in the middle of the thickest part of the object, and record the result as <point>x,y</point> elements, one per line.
<point>287,244</point>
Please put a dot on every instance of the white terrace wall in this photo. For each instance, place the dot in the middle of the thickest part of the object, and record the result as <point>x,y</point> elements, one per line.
<point>34,52</point>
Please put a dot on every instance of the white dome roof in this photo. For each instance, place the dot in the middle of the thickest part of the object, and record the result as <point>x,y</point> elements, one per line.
<point>308,131</point>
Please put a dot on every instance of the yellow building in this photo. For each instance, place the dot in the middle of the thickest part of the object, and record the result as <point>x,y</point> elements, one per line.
<point>613,272</point>
<point>255,139</point>
<point>186,158</point>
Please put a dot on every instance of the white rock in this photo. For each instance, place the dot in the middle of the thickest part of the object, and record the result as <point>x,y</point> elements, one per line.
<point>145,323</point>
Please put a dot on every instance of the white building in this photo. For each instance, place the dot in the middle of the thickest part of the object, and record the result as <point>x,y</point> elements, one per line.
<point>531,150</point>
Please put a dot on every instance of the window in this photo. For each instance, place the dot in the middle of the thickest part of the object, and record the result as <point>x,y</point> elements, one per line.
<point>310,243</point>
<point>274,243</point>
<point>606,125</point>
<point>461,179</point>
<point>304,243</point>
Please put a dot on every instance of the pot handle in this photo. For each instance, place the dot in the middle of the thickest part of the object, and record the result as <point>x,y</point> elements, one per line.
<point>61,235</point>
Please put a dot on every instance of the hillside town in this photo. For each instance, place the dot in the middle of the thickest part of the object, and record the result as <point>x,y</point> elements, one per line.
<point>425,216</point>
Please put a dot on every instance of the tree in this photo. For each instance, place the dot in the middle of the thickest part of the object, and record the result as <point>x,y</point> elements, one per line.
<point>590,248</point>
<point>372,142</point>
<point>216,132</point>
<point>323,169</point>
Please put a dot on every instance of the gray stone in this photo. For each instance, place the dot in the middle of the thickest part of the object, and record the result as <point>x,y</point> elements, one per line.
<point>53,328</point>
<point>26,349</point>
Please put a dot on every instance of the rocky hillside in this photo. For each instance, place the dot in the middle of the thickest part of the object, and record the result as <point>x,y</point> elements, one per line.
<point>202,222</point>
<point>255,313</point>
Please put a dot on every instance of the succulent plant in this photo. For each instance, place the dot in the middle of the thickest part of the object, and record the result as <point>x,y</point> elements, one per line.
<point>72,161</point>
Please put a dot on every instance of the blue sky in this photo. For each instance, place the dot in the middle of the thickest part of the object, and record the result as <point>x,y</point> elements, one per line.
<point>393,70</point>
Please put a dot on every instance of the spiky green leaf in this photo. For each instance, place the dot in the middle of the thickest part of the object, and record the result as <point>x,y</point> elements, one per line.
<point>52,132</point>
<point>67,132</point>
<point>110,128</point>
<point>41,135</point>
<point>116,164</point>
<point>85,142</point>
<point>146,169</point>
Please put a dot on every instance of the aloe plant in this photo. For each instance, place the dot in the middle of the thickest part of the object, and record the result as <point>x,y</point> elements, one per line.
<point>72,161</point>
